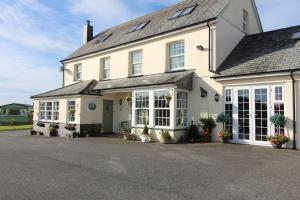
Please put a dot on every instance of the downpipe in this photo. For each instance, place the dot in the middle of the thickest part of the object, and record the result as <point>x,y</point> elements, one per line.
<point>294,110</point>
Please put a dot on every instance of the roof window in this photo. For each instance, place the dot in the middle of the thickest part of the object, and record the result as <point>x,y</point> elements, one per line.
<point>185,11</point>
<point>138,26</point>
<point>296,36</point>
<point>102,38</point>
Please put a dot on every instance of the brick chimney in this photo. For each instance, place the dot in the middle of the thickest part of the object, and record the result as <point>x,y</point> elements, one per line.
<point>87,32</point>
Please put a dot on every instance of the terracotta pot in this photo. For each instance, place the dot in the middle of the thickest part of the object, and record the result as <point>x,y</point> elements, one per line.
<point>163,140</point>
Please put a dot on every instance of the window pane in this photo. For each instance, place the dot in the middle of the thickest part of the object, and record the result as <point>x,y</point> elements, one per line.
<point>162,108</point>
<point>137,59</point>
<point>142,108</point>
<point>176,51</point>
<point>182,106</point>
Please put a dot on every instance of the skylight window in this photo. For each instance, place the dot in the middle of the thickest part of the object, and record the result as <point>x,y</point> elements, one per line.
<point>296,36</point>
<point>104,37</point>
<point>185,11</point>
<point>138,27</point>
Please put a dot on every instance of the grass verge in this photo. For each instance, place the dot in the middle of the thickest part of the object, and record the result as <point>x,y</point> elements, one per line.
<point>15,127</point>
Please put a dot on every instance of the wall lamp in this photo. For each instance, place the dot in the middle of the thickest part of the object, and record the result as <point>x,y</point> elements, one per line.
<point>217,97</point>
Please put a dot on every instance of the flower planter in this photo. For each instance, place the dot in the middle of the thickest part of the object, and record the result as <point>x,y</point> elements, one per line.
<point>144,138</point>
<point>164,140</point>
<point>225,140</point>
<point>277,145</point>
<point>205,138</point>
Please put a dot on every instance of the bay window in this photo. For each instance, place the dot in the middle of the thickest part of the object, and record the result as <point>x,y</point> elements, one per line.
<point>142,108</point>
<point>181,109</point>
<point>42,111</point>
<point>161,109</point>
<point>71,110</point>
<point>49,111</point>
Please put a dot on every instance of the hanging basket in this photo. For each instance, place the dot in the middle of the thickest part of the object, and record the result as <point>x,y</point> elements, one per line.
<point>128,100</point>
<point>168,98</point>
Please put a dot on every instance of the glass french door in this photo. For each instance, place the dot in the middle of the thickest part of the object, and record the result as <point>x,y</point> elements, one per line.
<point>252,115</point>
<point>261,114</point>
<point>244,114</point>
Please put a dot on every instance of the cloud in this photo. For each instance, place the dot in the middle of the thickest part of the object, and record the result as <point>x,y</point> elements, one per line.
<point>23,22</point>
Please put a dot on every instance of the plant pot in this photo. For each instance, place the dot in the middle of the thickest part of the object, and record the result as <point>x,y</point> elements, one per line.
<point>126,137</point>
<point>225,140</point>
<point>205,138</point>
<point>277,146</point>
<point>163,140</point>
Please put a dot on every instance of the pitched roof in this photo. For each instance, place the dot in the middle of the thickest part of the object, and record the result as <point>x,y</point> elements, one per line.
<point>182,79</point>
<point>267,52</point>
<point>81,88</point>
<point>160,23</point>
<point>17,104</point>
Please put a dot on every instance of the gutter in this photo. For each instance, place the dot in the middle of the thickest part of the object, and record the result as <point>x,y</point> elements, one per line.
<point>237,76</point>
<point>294,109</point>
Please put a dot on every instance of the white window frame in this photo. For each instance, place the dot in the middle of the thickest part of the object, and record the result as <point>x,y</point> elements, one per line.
<point>78,72</point>
<point>158,108</point>
<point>172,107</point>
<point>170,57</point>
<point>185,109</point>
<point>68,112</point>
<point>274,101</point>
<point>46,110</point>
<point>105,68</point>
<point>141,108</point>
<point>133,64</point>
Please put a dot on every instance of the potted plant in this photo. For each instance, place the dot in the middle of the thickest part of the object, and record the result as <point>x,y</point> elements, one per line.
<point>279,139</point>
<point>224,134</point>
<point>193,133</point>
<point>40,124</point>
<point>207,124</point>
<point>70,127</point>
<point>145,134</point>
<point>127,134</point>
<point>165,137</point>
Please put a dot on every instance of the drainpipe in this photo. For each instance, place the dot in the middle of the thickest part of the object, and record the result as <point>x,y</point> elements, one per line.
<point>209,48</point>
<point>294,110</point>
<point>62,69</point>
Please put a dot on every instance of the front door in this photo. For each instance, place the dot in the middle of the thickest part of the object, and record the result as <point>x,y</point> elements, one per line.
<point>252,115</point>
<point>108,106</point>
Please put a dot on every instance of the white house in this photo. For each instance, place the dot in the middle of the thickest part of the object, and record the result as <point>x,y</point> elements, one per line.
<point>209,56</point>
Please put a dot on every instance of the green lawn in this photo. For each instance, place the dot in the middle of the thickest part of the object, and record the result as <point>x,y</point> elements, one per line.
<point>16,127</point>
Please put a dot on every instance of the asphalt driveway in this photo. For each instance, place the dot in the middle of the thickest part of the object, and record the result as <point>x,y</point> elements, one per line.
<point>35,168</point>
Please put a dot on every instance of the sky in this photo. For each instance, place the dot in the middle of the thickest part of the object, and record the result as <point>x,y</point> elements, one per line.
<point>36,34</point>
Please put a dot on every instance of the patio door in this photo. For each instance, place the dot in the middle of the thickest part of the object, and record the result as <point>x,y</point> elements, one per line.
<point>252,115</point>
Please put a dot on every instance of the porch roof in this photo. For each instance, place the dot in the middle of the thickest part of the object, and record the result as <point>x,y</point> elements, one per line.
<point>182,79</point>
<point>80,88</point>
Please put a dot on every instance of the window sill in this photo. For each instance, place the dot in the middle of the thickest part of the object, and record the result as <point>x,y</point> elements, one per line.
<point>135,76</point>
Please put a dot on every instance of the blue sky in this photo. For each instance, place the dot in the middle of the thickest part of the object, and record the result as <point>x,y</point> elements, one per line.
<point>36,34</point>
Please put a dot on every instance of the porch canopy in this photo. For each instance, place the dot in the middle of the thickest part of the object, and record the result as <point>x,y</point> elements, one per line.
<point>180,80</point>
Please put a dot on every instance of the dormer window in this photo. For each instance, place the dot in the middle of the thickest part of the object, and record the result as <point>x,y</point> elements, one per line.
<point>138,27</point>
<point>296,36</point>
<point>185,11</point>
